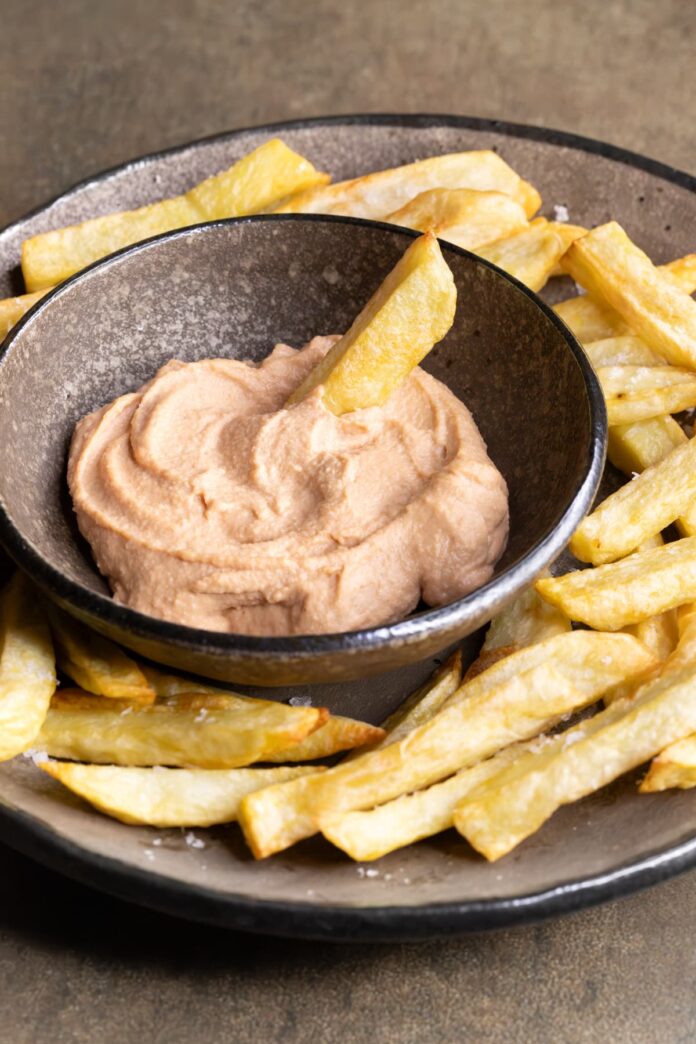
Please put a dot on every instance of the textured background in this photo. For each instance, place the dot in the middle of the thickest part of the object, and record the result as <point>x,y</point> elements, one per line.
<point>87,85</point>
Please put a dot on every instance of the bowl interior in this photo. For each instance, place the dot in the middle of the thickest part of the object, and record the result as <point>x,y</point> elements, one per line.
<point>235,289</point>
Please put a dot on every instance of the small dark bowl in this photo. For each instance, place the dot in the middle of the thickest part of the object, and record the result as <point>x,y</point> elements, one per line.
<point>236,288</point>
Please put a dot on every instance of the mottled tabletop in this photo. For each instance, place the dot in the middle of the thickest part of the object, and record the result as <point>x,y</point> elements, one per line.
<point>87,85</point>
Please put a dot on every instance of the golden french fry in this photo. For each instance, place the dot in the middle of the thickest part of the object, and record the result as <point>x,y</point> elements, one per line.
<point>27,667</point>
<point>511,701</point>
<point>13,308</point>
<point>526,621</point>
<point>195,731</point>
<point>167,797</point>
<point>673,767</point>
<point>420,706</point>
<point>370,834</point>
<point>466,217</point>
<point>635,393</point>
<point>529,255</point>
<point>640,509</point>
<point>621,351</point>
<point>660,633</point>
<point>635,447</point>
<point>591,319</point>
<point>254,183</point>
<point>376,195</point>
<point>613,596</point>
<point>515,804</point>
<point>95,663</point>
<point>335,735</point>
<point>410,312</point>
<point>610,266</point>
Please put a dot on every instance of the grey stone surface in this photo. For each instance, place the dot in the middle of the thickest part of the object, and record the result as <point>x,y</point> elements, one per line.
<point>87,85</point>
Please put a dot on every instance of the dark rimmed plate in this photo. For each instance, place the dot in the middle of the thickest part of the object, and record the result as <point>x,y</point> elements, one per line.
<point>608,845</point>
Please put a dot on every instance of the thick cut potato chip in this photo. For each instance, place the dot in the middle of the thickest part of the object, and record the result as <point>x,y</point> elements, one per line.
<point>95,663</point>
<point>530,255</point>
<point>622,351</point>
<point>634,447</point>
<point>591,319</point>
<point>639,510</point>
<point>465,217</point>
<point>635,393</point>
<point>13,308</point>
<point>610,266</point>
<point>196,731</point>
<point>335,735</point>
<point>615,741</point>
<point>167,797</point>
<point>514,702</point>
<point>613,596</point>
<point>254,183</point>
<point>27,667</point>
<point>410,312</point>
<point>376,195</point>
<point>674,767</point>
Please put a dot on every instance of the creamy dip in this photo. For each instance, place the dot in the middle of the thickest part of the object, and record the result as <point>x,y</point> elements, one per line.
<point>207,503</point>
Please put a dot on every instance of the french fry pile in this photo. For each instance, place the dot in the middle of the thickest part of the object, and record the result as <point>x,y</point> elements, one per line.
<point>490,752</point>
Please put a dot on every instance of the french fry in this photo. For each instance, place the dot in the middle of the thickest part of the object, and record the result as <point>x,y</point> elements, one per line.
<point>529,255</point>
<point>635,393</point>
<point>195,731</point>
<point>421,705</point>
<point>674,767</point>
<point>659,633</point>
<point>13,308</point>
<point>385,191</point>
<point>621,351</point>
<point>27,667</point>
<point>527,620</point>
<point>610,266</point>
<point>370,834</point>
<point>254,183</point>
<point>635,447</point>
<point>335,735</point>
<point>511,701</point>
<point>95,663</point>
<point>591,319</point>
<point>410,312</point>
<point>466,217</point>
<point>167,797</point>
<point>640,509</point>
<point>507,810</point>
<point>613,596</point>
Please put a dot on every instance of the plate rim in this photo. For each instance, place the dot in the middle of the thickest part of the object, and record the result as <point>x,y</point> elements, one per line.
<point>33,838</point>
<point>332,922</point>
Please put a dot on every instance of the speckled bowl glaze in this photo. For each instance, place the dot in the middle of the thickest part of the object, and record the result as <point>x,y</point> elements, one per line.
<point>235,288</point>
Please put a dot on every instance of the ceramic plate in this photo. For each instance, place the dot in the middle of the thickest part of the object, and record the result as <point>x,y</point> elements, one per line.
<point>608,845</point>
